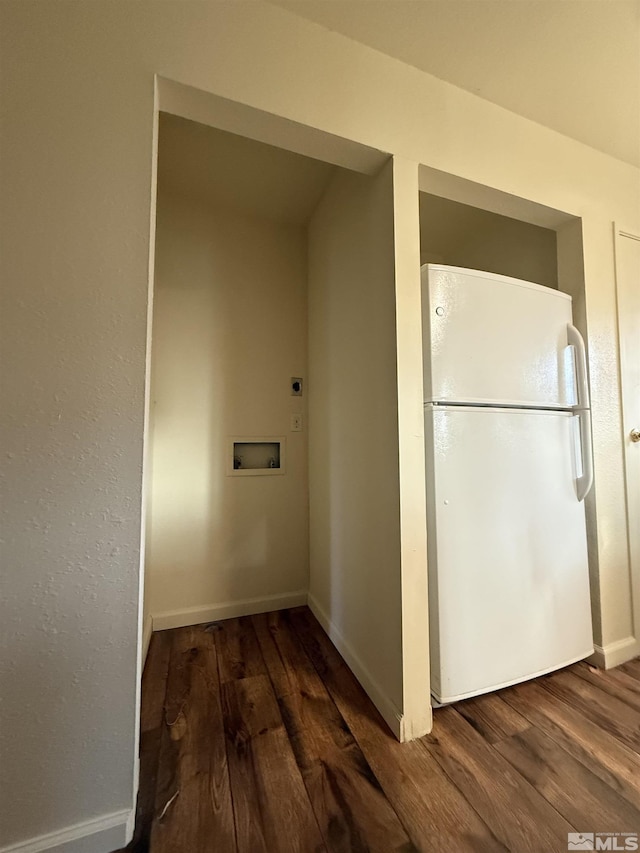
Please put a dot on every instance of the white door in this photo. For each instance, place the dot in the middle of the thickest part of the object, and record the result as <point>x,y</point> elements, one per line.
<point>628,287</point>
<point>493,339</point>
<point>508,575</point>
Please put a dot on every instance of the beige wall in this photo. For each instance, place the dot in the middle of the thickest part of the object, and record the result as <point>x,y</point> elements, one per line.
<point>355,583</point>
<point>463,236</point>
<point>229,331</point>
<point>78,89</point>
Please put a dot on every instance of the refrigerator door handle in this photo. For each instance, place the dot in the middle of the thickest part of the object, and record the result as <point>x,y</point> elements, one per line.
<point>576,341</point>
<point>585,480</point>
<point>581,409</point>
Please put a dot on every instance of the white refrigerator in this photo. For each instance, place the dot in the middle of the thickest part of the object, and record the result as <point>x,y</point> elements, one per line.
<point>508,465</point>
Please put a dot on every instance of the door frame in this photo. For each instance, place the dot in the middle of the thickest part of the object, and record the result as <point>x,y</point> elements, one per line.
<point>629,355</point>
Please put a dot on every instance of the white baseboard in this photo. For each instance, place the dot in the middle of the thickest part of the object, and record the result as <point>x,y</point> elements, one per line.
<point>108,832</point>
<point>606,657</point>
<point>387,708</point>
<point>147,631</point>
<point>212,612</point>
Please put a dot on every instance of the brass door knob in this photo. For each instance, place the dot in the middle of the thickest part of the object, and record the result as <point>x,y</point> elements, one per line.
<point>634,435</point>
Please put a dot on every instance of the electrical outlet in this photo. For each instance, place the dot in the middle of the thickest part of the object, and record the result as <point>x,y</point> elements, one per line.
<point>296,423</point>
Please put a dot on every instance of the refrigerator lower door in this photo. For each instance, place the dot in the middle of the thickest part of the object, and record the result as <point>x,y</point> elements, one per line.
<point>508,577</point>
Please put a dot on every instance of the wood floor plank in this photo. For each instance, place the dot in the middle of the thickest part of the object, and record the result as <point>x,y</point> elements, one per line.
<point>433,811</point>
<point>303,699</point>
<point>609,713</point>
<point>240,655</point>
<point>271,805</point>
<point>154,686</point>
<point>492,717</point>
<point>193,805</point>
<point>350,806</point>
<point>603,754</point>
<point>618,684</point>
<point>167,785</point>
<point>584,799</point>
<point>515,811</point>
<point>631,667</point>
<point>154,681</point>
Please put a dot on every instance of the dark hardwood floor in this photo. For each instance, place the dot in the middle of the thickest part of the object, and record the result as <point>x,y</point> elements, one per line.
<point>257,737</point>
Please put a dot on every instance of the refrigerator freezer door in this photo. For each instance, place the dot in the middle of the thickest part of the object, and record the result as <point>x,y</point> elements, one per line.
<point>492,339</point>
<point>508,577</point>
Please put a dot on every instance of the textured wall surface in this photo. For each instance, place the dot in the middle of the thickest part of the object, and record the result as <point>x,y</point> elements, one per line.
<point>78,91</point>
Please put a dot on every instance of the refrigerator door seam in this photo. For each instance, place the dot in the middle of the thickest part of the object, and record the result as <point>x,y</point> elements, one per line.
<point>513,406</point>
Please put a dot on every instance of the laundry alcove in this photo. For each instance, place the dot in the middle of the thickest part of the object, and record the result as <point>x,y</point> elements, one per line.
<point>273,266</point>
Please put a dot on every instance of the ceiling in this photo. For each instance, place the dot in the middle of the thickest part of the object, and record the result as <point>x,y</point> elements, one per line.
<point>222,169</point>
<point>571,65</point>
